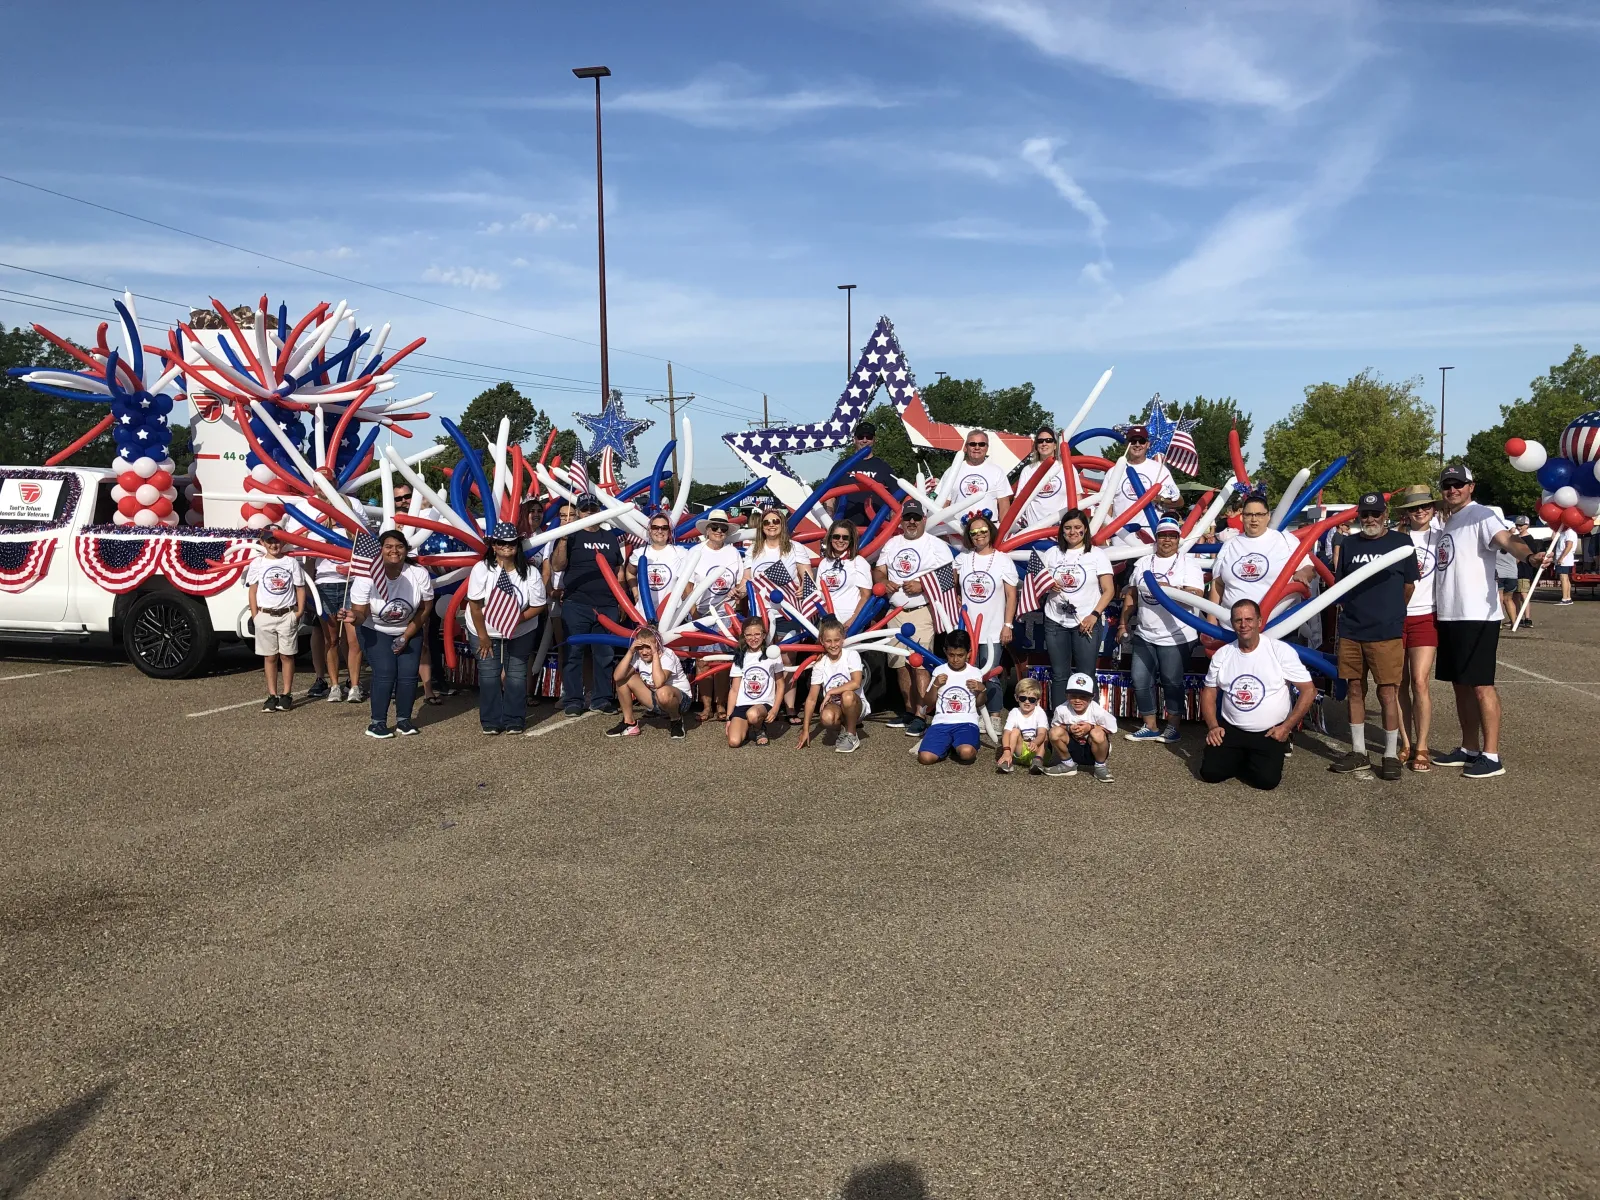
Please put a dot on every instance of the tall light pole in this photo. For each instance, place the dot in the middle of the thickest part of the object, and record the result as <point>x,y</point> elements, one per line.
<point>849,341</point>
<point>1442,370</point>
<point>597,74</point>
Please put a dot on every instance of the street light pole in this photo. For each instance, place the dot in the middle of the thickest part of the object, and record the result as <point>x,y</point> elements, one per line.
<point>597,74</point>
<point>1442,370</point>
<point>849,340</point>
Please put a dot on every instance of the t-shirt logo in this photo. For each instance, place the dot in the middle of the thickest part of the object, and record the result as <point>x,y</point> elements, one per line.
<point>1246,692</point>
<point>1071,577</point>
<point>905,563</point>
<point>1425,561</point>
<point>396,611</point>
<point>1029,734</point>
<point>835,680</point>
<point>756,681</point>
<point>722,581</point>
<point>956,699</point>
<point>1447,551</point>
<point>1251,567</point>
<point>972,485</point>
<point>275,581</point>
<point>978,586</point>
<point>1128,489</point>
<point>834,575</point>
<point>659,575</point>
<point>1051,486</point>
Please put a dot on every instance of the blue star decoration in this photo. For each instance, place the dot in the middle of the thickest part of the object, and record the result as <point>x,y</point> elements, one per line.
<point>1164,431</point>
<point>613,430</point>
<point>882,363</point>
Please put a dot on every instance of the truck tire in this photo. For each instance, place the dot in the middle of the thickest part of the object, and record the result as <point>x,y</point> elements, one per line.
<point>167,635</point>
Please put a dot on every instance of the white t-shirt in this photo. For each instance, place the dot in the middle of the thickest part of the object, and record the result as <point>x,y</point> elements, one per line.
<point>403,596</point>
<point>1248,565</point>
<point>275,580</point>
<point>983,594</point>
<point>1464,588</point>
<point>485,579</point>
<point>1077,574</point>
<point>723,567</point>
<point>832,673</point>
<point>1151,622</point>
<point>970,483</point>
<point>954,703</point>
<point>664,567</point>
<point>842,577</point>
<point>758,677</point>
<point>675,676</point>
<point>1031,727</point>
<point>1254,688</point>
<point>903,559</point>
<point>763,560</point>
<point>1427,543</point>
<point>1565,548</point>
<point>1048,500</point>
<point>1125,492</point>
<point>1094,714</point>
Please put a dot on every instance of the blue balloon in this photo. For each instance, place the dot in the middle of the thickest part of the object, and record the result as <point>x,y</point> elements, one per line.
<point>1584,480</point>
<point>1556,473</point>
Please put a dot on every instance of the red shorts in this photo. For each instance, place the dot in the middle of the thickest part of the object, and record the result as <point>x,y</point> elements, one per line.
<point>1421,631</point>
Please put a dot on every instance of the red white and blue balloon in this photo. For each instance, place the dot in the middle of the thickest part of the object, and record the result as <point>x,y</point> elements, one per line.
<point>1570,481</point>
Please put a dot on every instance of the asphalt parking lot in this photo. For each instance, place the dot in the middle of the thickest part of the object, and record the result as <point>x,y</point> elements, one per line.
<point>252,955</point>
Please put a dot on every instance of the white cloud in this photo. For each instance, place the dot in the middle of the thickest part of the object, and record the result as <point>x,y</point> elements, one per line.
<point>1040,154</point>
<point>529,222</point>
<point>1547,18</point>
<point>463,277</point>
<point>1271,54</point>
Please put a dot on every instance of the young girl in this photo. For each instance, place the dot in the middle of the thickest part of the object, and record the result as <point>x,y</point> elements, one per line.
<point>651,675</point>
<point>759,677</point>
<point>1027,732</point>
<point>773,550</point>
<point>1081,731</point>
<point>663,564</point>
<point>843,573</point>
<point>835,689</point>
<point>954,694</point>
<point>988,580</point>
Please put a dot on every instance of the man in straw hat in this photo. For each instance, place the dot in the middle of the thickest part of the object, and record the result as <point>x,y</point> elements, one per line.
<point>1419,518</point>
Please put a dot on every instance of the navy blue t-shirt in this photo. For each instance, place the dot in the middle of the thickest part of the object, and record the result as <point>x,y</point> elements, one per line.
<point>1375,611</point>
<point>583,581</point>
<point>853,508</point>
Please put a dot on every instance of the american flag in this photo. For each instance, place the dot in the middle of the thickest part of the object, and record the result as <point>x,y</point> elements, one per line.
<point>1035,584</point>
<point>503,607</point>
<point>939,588</point>
<point>777,576</point>
<point>366,558</point>
<point>1171,441</point>
<point>1580,441</point>
<point>578,473</point>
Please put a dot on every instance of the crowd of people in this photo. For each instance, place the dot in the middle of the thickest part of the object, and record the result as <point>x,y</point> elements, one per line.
<point>1433,613</point>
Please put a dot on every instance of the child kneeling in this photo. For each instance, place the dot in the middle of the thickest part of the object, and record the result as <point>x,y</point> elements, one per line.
<point>956,691</point>
<point>1081,732</point>
<point>1027,732</point>
<point>836,694</point>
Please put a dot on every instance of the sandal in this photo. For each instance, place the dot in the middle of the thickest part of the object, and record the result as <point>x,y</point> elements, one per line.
<point>796,719</point>
<point>1420,762</point>
<point>436,701</point>
<point>722,714</point>
<point>761,738</point>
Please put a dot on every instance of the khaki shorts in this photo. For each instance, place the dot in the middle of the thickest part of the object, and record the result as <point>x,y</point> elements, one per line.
<point>1386,660</point>
<point>922,619</point>
<point>277,633</point>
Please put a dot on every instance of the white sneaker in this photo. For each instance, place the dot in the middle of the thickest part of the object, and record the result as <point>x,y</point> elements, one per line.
<point>1062,768</point>
<point>1102,772</point>
<point>357,695</point>
<point>336,694</point>
<point>849,743</point>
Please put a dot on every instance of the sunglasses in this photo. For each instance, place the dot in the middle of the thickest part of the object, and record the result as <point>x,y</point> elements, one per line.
<point>660,529</point>
<point>1453,487</point>
<point>1044,441</point>
<point>840,537</point>
<point>1027,700</point>
<point>910,517</point>
<point>718,528</point>
<point>977,445</point>
<point>1138,441</point>
<point>770,524</point>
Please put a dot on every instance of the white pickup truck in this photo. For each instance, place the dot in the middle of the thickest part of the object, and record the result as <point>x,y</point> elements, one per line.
<point>69,576</point>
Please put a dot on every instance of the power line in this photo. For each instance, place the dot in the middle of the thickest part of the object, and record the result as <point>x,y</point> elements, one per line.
<point>348,279</point>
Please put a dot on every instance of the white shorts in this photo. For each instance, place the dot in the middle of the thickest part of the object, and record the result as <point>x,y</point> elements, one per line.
<point>277,633</point>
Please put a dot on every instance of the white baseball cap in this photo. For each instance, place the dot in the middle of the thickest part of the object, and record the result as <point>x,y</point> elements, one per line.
<point>1081,682</point>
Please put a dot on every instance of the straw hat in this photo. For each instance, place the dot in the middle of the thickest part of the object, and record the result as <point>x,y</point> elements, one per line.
<point>1414,496</point>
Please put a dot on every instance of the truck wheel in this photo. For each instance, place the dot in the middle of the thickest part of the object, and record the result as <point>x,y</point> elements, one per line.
<point>167,635</point>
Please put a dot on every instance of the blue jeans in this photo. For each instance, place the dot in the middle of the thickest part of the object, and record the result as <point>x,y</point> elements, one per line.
<point>985,658</point>
<point>504,706</point>
<point>1152,663</point>
<point>394,675</point>
<point>579,617</point>
<point>1070,650</point>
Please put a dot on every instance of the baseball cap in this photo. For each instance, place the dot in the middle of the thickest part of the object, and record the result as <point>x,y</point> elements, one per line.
<point>1371,504</point>
<point>1413,496</point>
<point>1138,433</point>
<point>1520,520</point>
<point>589,502</point>
<point>1080,682</point>
<point>1456,473</point>
<point>913,508</point>
<point>1169,525</point>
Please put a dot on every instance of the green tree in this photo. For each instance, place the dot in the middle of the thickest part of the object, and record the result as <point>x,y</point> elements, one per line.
<point>1386,430</point>
<point>565,445</point>
<point>182,449</point>
<point>1569,390</point>
<point>1217,418</point>
<point>959,402</point>
<point>480,422</point>
<point>34,425</point>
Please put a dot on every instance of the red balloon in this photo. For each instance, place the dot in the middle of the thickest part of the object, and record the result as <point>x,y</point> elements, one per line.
<point>1573,517</point>
<point>130,481</point>
<point>161,480</point>
<point>273,512</point>
<point>1551,513</point>
<point>879,589</point>
<point>1586,528</point>
<point>162,507</point>
<point>915,660</point>
<point>127,506</point>
<point>1516,447</point>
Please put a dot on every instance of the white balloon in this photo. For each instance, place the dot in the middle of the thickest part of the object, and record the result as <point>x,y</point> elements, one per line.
<point>146,517</point>
<point>145,467</point>
<point>1596,468</point>
<point>1565,496</point>
<point>191,492</point>
<point>120,464</point>
<point>1589,506</point>
<point>147,494</point>
<point>168,465</point>
<point>170,493</point>
<point>1532,457</point>
<point>262,473</point>
<point>192,518</point>
<point>118,518</point>
<point>170,520</point>
<point>257,521</point>
<point>118,491</point>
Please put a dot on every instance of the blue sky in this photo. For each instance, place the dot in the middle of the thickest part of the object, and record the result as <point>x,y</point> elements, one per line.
<point>1236,198</point>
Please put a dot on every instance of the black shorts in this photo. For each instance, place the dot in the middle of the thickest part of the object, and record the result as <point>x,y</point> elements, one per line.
<point>1466,652</point>
<point>741,712</point>
<point>1507,584</point>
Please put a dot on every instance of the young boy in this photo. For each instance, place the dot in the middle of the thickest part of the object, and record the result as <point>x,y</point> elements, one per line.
<point>954,696</point>
<point>651,675</point>
<point>277,590</point>
<point>835,689</point>
<point>1081,732</point>
<point>1027,732</point>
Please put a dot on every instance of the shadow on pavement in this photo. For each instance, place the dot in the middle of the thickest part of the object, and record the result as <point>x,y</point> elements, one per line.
<point>26,1151</point>
<point>892,1180</point>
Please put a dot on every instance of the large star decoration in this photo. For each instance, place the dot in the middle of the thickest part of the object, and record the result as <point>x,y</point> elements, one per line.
<point>1162,427</point>
<point>881,363</point>
<point>612,428</point>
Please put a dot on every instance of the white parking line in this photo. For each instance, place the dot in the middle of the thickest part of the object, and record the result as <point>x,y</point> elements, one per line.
<point>37,674</point>
<point>1546,679</point>
<point>552,726</point>
<point>230,707</point>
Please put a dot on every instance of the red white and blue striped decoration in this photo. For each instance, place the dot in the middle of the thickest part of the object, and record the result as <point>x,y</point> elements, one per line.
<point>1580,441</point>
<point>24,563</point>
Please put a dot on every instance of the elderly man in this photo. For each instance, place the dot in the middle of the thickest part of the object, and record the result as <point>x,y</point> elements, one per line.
<point>1248,728</point>
<point>973,475</point>
<point>1467,612</point>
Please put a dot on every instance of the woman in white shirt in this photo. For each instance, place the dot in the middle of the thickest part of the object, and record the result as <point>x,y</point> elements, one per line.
<point>663,564</point>
<point>843,574</point>
<point>988,581</point>
<point>1081,588</point>
<point>772,559</point>
<point>390,607</point>
<point>504,601</point>
<point>1162,645</point>
<point>721,566</point>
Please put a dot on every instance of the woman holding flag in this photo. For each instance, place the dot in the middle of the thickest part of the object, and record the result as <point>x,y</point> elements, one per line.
<point>390,599</point>
<point>505,599</point>
<point>777,563</point>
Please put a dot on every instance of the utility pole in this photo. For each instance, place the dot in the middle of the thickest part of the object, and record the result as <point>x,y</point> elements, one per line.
<point>849,290</point>
<point>597,74</point>
<point>766,421</point>
<point>1442,370</point>
<point>671,400</point>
